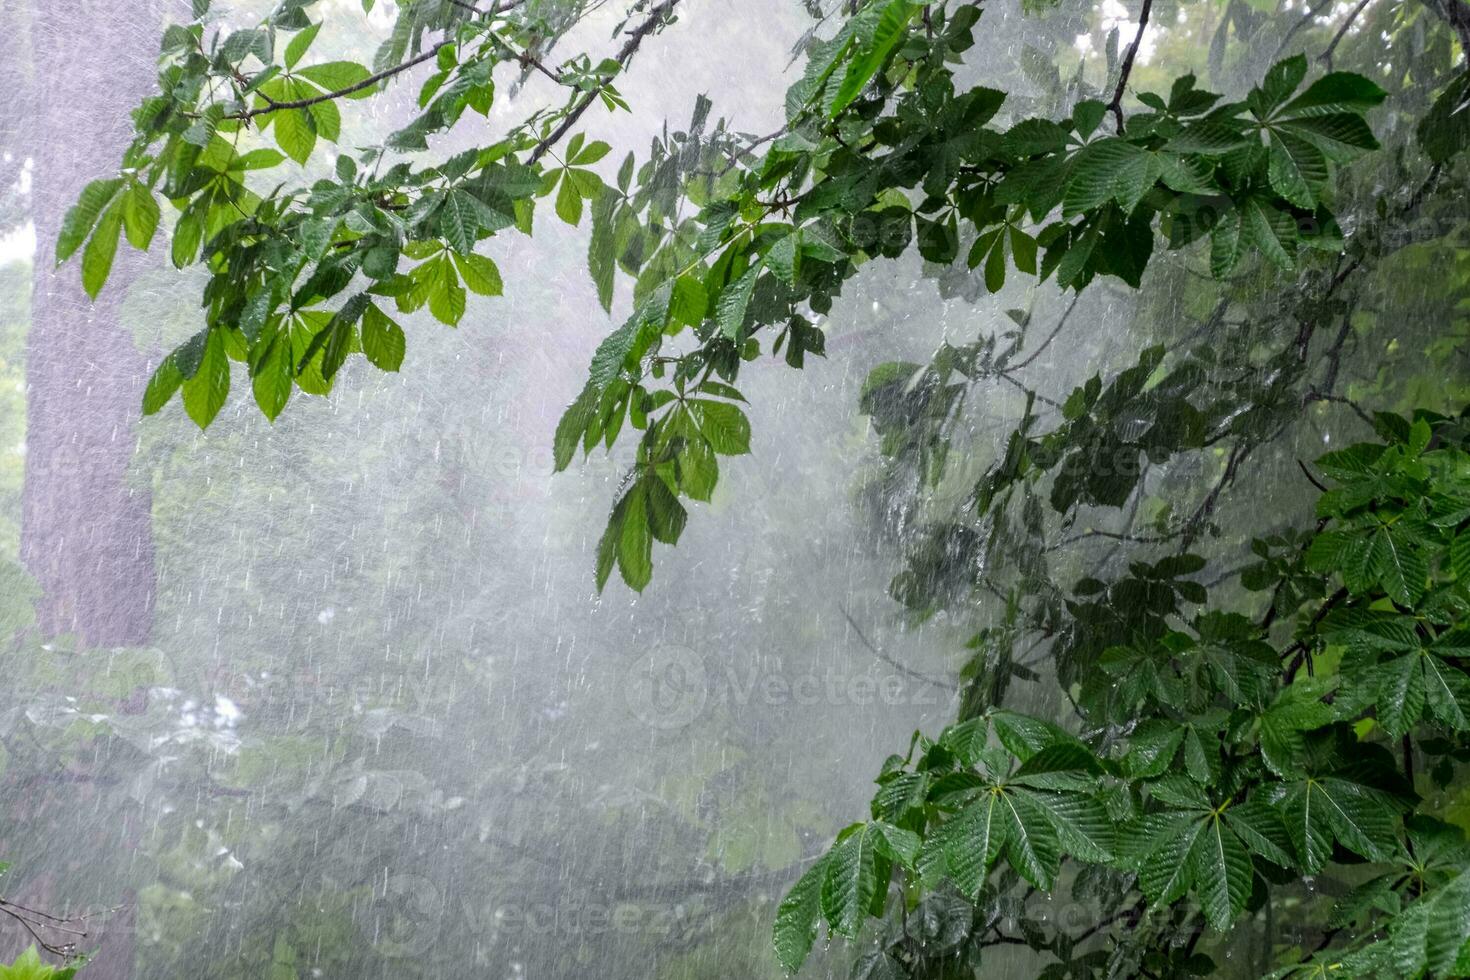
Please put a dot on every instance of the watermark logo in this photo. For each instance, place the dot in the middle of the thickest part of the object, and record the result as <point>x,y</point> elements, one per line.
<point>667,687</point>
<point>405,915</point>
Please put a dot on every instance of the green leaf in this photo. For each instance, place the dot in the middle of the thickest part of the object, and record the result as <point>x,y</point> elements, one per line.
<point>723,424</point>
<point>480,274</point>
<point>205,392</point>
<point>337,75</point>
<point>1401,694</point>
<point>1260,828</point>
<point>459,219</point>
<point>796,918</point>
<point>1222,872</point>
<point>165,381</point>
<point>666,516</point>
<point>1109,169</point>
<point>1166,871</point>
<point>569,203</point>
<point>1271,230</point>
<point>1031,840</point>
<point>300,43</point>
<point>272,376</point>
<point>1083,827</point>
<point>101,249</point>
<point>1338,91</point>
<point>82,216</point>
<point>1296,169</point>
<point>590,153</point>
<point>895,843</point>
<point>1447,691</point>
<point>1281,80</point>
<point>602,249</point>
<point>295,131</point>
<point>881,27</point>
<point>383,341</point>
<point>1445,129</point>
<point>734,300</point>
<point>852,880</point>
<point>1460,556</point>
<point>635,542</point>
<point>188,233</point>
<point>966,845</point>
<point>571,426</point>
<point>140,216</point>
<point>1318,809</point>
<point>689,301</point>
<point>1225,244</point>
<point>783,256</point>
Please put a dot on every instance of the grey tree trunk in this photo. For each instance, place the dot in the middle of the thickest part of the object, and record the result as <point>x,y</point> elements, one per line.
<point>85,532</point>
<point>85,529</point>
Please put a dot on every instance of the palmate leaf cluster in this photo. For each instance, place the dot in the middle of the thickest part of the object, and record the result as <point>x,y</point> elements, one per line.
<point>881,152</point>
<point>1221,756</point>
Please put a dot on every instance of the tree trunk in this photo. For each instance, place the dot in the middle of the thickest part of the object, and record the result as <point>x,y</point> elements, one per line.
<point>85,531</point>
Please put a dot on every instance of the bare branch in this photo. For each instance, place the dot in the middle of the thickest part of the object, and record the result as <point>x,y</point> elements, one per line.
<point>1050,337</point>
<point>1116,106</point>
<point>1326,56</point>
<point>901,668</point>
<point>630,47</point>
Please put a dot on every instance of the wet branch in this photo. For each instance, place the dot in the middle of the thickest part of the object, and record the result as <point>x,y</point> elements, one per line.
<point>1116,105</point>
<point>901,668</point>
<point>368,82</point>
<point>635,38</point>
<point>1326,56</point>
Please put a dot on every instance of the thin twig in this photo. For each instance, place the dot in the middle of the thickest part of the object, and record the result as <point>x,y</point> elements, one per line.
<point>630,47</point>
<point>1116,106</point>
<point>1050,337</point>
<point>1307,18</point>
<point>1326,56</point>
<point>368,82</point>
<point>1310,478</point>
<point>901,668</point>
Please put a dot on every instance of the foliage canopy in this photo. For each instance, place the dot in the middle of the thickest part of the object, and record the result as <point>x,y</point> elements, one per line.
<point>1220,753</point>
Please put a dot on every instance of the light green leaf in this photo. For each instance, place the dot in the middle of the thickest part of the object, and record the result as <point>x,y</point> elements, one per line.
<point>723,424</point>
<point>383,341</point>
<point>82,216</point>
<point>334,76</point>
<point>300,43</point>
<point>295,131</point>
<point>101,249</point>
<point>206,391</point>
<point>569,203</point>
<point>480,273</point>
<point>734,300</point>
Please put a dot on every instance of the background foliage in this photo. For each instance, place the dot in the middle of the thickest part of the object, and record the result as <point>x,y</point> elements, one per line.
<point>1140,478</point>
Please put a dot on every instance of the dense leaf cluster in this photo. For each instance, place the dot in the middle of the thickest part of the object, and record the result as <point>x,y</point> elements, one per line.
<point>1221,756</point>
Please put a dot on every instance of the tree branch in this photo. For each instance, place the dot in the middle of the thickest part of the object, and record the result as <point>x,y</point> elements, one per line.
<point>1326,56</point>
<point>630,47</point>
<point>1116,106</point>
<point>368,82</point>
<point>1050,337</point>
